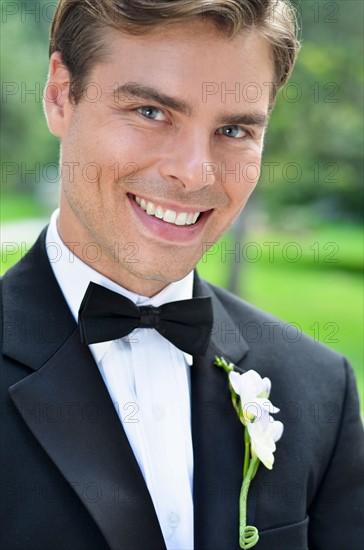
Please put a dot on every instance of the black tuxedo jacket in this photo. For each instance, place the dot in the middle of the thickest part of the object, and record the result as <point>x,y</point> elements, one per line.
<point>69,479</point>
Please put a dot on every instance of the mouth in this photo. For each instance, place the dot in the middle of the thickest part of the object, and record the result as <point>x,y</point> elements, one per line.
<point>170,222</point>
<point>166,214</point>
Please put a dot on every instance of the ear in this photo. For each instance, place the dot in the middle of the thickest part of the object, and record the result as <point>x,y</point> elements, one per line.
<point>57,106</point>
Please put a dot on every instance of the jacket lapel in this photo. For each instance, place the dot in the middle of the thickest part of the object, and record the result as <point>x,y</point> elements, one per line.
<point>218,436</point>
<point>78,426</point>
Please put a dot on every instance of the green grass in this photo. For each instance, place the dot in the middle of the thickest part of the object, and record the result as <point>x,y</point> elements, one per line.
<point>16,207</point>
<point>329,247</point>
<point>325,306</point>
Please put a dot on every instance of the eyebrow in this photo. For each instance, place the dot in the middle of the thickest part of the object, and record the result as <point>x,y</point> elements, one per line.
<point>140,91</point>
<point>147,93</point>
<point>251,119</point>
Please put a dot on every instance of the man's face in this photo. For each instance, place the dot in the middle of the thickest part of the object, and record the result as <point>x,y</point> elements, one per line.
<point>171,122</point>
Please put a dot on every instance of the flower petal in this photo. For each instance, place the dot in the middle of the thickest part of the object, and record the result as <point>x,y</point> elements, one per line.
<point>248,385</point>
<point>277,430</point>
<point>267,386</point>
<point>234,378</point>
<point>263,437</point>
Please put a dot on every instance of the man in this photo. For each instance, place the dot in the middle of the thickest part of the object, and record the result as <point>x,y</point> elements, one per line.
<point>123,439</point>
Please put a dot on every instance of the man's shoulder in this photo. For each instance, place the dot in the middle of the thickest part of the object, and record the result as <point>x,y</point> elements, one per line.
<point>281,344</point>
<point>239,307</point>
<point>305,373</point>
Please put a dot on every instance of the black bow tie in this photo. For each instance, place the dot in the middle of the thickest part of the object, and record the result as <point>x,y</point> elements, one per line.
<point>105,315</point>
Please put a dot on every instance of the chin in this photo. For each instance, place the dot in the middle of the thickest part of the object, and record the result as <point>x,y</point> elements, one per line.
<point>162,275</point>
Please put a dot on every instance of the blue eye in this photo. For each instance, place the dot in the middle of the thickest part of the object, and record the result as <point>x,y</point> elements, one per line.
<point>154,113</point>
<point>232,131</point>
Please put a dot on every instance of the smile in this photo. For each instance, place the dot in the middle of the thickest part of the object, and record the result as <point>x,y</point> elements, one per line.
<point>165,214</point>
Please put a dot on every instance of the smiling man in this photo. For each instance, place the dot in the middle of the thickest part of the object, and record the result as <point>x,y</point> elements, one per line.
<point>157,123</point>
<point>119,428</point>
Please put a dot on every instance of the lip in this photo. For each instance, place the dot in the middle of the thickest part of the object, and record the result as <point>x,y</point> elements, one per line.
<point>155,227</point>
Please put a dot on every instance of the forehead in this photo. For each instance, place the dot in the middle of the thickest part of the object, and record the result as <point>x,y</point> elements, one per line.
<point>193,60</point>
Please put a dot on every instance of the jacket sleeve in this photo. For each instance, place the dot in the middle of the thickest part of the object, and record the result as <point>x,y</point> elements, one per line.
<point>337,512</point>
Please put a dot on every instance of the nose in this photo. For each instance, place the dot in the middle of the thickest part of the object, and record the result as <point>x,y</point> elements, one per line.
<point>188,160</point>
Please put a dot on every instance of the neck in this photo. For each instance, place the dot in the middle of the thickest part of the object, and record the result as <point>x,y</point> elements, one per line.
<point>111,267</point>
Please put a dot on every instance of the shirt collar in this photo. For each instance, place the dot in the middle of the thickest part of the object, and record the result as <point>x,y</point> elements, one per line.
<point>74,276</point>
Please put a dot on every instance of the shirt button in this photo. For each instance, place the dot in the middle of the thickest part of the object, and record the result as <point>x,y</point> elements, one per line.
<point>173,520</point>
<point>158,412</point>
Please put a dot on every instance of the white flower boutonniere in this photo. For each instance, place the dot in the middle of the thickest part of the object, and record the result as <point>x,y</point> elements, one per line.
<point>249,395</point>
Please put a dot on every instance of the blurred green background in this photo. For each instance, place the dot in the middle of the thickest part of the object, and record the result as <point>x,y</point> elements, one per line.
<point>297,250</point>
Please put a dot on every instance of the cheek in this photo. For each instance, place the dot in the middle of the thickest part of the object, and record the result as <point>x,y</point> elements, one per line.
<point>123,154</point>
<point>241,184</point>
<point>252,173</point>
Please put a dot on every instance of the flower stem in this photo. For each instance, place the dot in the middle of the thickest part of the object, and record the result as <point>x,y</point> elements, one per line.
<point>220,362</point>
<point>248,535</point>
<point>247,452</point>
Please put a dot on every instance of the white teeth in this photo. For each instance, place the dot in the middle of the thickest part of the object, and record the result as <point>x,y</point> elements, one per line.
<point>190,219</point>
<point>181,219</point>
<point>169,216</point>
<point>159,212</point>
<point>150,208</point>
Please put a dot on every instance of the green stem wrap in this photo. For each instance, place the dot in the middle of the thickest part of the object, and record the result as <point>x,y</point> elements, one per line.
<point>248,534</point>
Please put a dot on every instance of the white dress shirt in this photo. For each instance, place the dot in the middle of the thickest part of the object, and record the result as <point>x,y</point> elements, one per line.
<point>148,381</point>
